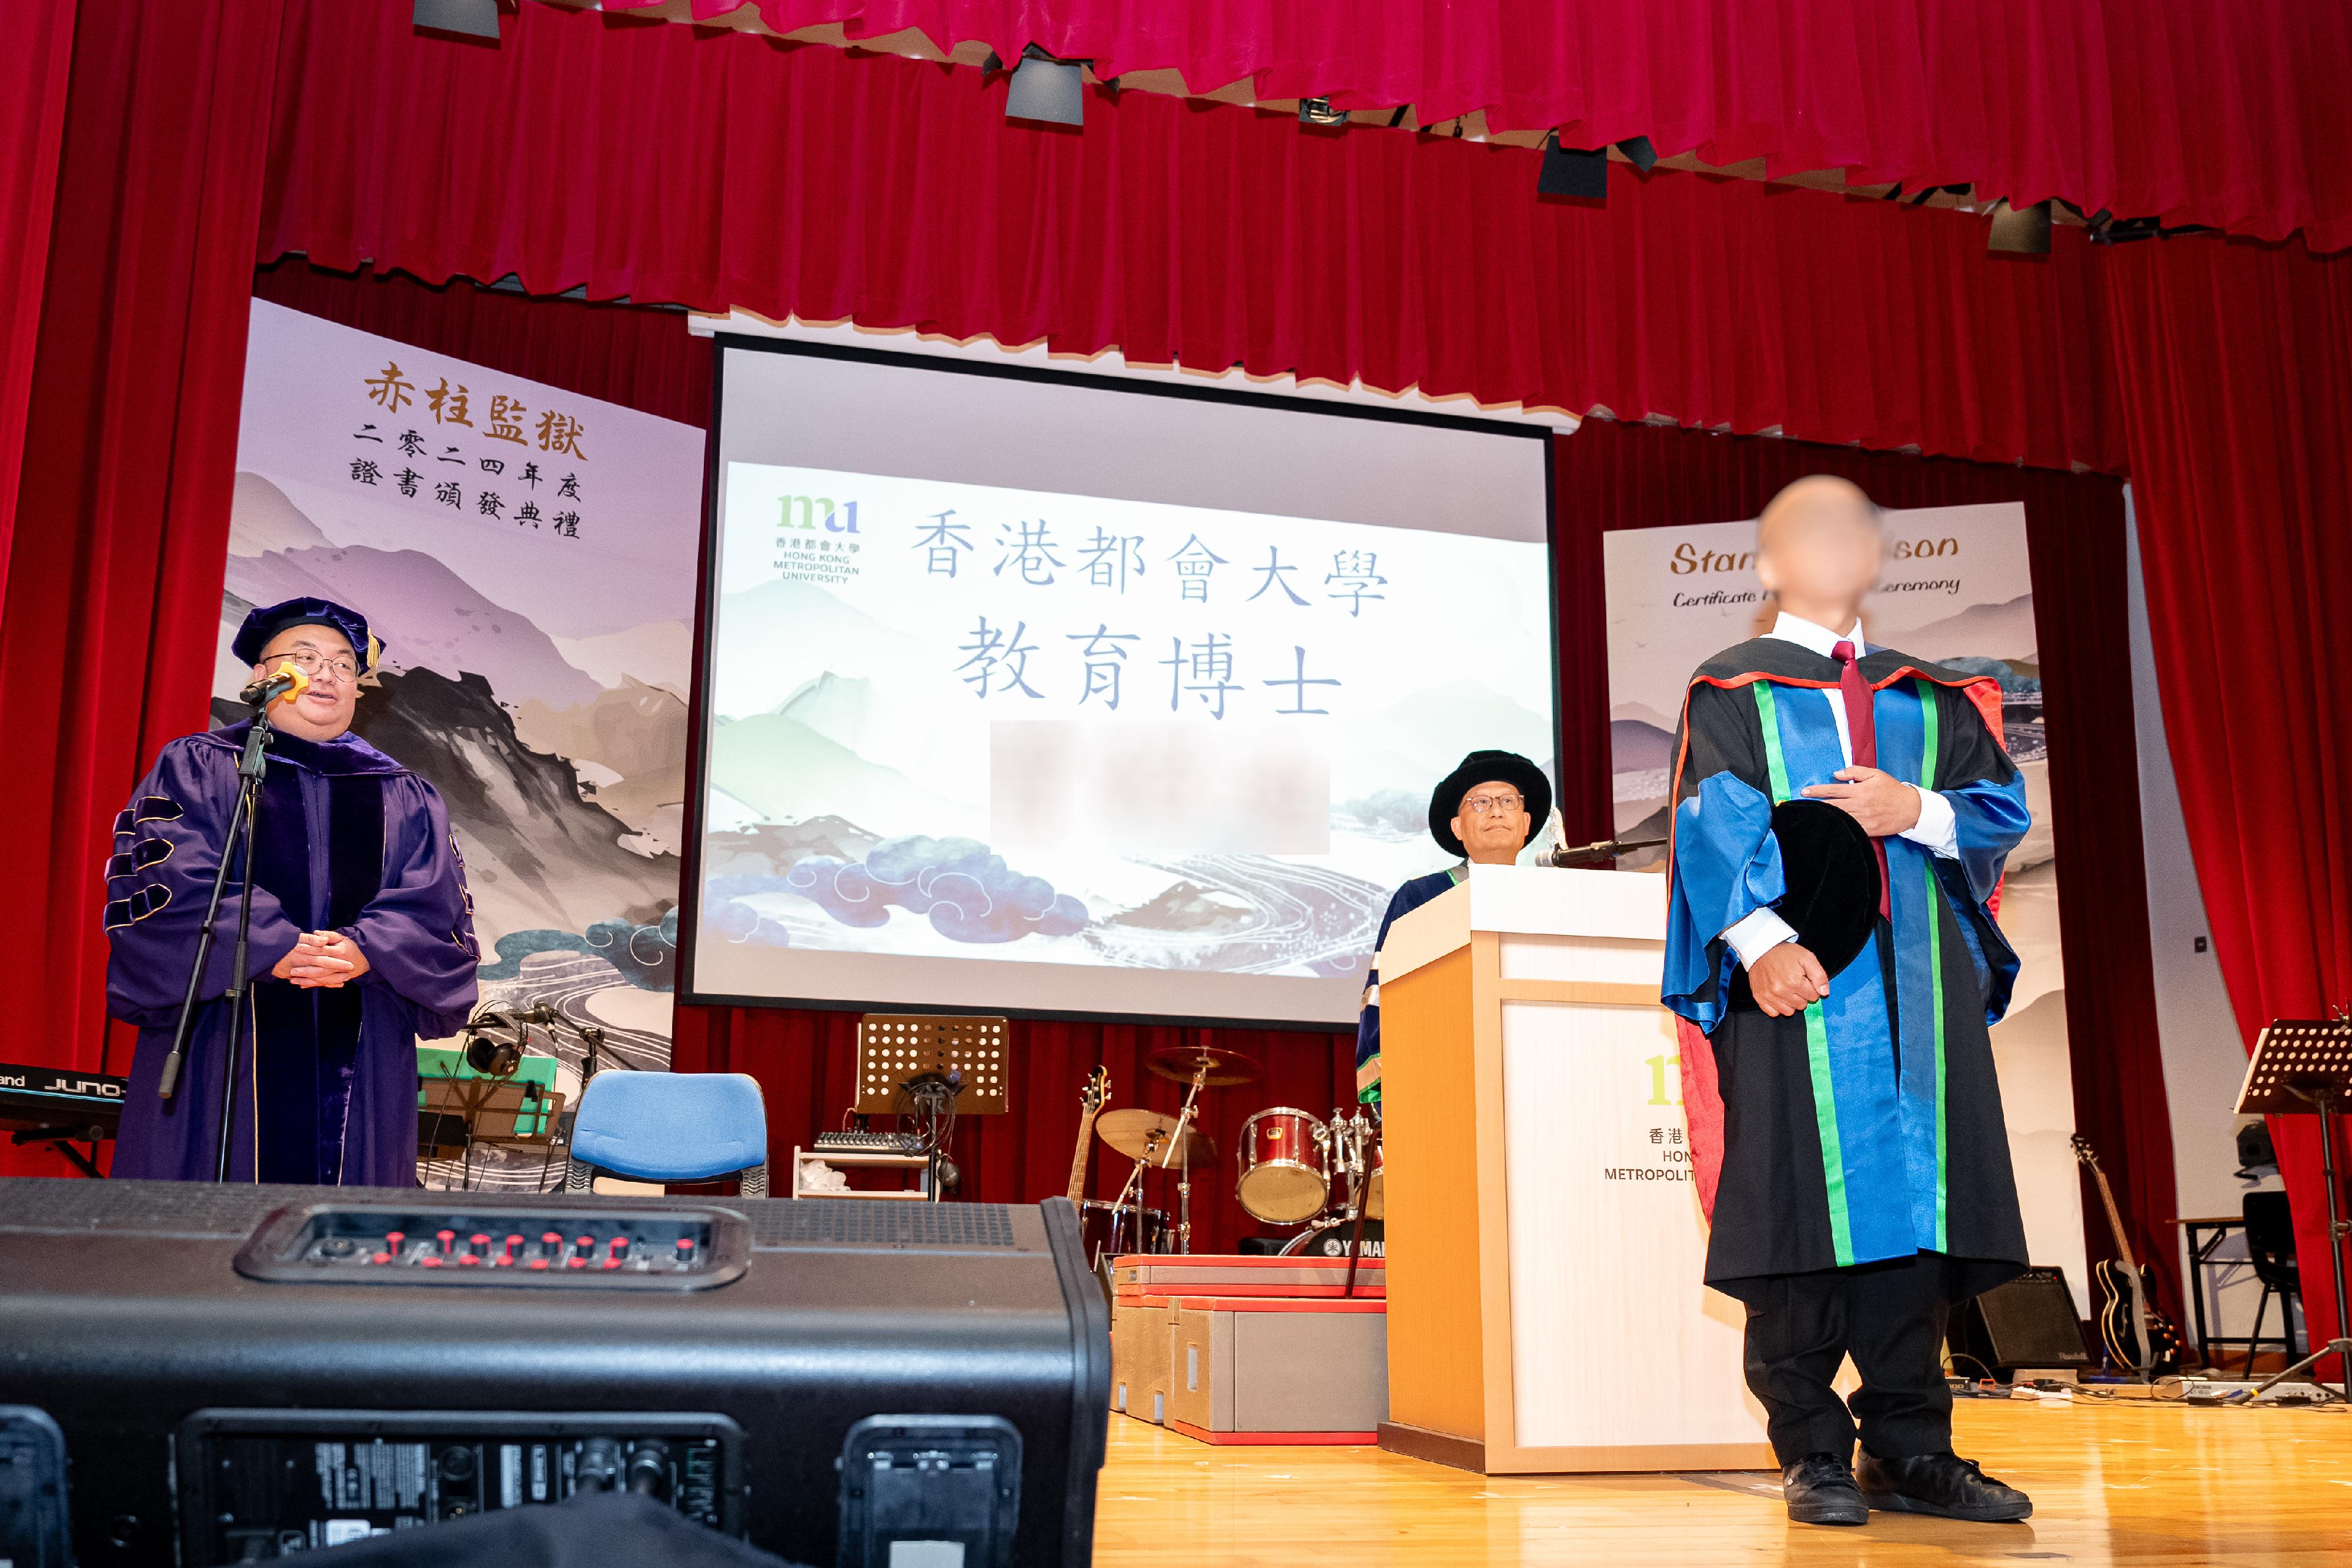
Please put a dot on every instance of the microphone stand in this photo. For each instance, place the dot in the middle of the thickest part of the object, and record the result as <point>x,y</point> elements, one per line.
<point>250,769</point>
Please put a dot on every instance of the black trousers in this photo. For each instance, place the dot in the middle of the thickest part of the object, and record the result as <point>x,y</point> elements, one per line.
<point>1890,1318</point>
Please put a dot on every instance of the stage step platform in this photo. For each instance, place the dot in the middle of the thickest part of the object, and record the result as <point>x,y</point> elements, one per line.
<point>1246,1350</point>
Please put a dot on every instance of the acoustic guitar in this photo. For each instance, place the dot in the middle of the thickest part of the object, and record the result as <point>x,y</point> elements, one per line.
<point>2138,1337</point>
<point>1091,1100</point>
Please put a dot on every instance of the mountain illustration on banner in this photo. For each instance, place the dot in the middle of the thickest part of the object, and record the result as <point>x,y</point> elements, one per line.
<point>567,795</point>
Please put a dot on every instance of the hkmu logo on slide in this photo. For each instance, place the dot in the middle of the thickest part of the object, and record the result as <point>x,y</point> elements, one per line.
<point>817,540</point>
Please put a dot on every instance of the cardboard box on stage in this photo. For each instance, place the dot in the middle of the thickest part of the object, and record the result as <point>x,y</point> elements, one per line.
<point>1250,1349</point>
<point>1142,1350</point>
<point>1138,1276</point>
<point>1260,1369</point>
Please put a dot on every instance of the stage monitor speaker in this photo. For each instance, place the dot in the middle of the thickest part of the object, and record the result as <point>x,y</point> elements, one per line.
<point>2028,1322</point>
<point>242,1373</point>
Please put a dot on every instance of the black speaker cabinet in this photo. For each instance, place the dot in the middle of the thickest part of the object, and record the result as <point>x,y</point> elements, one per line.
<point>245,1373</point>
<point>2028,1322</point>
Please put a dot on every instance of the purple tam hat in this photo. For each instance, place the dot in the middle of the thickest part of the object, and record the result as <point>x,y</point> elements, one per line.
<point>270,620</point>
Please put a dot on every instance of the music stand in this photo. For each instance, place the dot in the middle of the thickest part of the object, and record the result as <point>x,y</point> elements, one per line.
<point>2301,1066</point>
<point>934,1067</point>
<point>896,1048</point>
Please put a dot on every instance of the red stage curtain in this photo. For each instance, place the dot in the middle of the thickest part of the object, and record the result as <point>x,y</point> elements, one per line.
<point>112,601</point>
<point>35,46</point>
<point>670,164</point>
<point>638,358</point>
<point>2232,115</point>
<point>2236,365</point>
<point>1610,476</point>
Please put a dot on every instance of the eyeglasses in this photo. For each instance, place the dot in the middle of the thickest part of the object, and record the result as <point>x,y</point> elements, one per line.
<point>1491,805</point>
<point>313,662</point>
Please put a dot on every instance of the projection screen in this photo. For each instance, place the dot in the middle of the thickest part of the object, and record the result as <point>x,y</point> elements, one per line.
<point>1040,693</point>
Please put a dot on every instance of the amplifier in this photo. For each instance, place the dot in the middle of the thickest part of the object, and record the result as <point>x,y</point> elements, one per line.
<point>242,1373</point>
<point>2027,1322</point>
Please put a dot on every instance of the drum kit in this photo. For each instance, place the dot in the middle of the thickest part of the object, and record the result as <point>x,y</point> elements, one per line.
<point>1295,1169</point>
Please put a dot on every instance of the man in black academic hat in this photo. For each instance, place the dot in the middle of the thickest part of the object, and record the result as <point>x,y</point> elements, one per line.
<point>1481,812</point>
<point>363,934</point>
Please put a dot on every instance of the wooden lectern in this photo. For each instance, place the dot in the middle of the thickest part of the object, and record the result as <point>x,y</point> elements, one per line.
<point>1545,1246</point>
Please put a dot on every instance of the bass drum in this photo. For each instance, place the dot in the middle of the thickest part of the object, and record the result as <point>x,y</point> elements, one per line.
<point>1328,1238</point>
<point>1286,1166</point>
<point>1112,1231</point>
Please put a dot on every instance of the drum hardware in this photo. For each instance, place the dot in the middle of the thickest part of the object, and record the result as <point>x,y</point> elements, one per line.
<point>1141,1134</point>
<point>1148,1138</point>
<point>1205,1062</point>
<point>1213,1064</point>
<point>1199,1066</point>
<point>1351,1142</point>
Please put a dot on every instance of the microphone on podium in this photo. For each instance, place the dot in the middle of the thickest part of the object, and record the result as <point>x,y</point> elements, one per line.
<point>1601,850</point>
<point>288,682</point>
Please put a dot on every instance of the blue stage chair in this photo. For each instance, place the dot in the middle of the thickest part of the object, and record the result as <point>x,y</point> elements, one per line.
<point>670,1127</point>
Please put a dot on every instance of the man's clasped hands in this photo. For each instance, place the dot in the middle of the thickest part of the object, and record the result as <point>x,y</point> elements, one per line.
<point>323,958</point>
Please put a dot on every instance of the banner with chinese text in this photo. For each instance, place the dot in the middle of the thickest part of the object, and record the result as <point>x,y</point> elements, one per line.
<point>527,557</point>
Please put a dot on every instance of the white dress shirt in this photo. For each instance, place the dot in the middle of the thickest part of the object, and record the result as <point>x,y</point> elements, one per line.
<point>1935,831</point>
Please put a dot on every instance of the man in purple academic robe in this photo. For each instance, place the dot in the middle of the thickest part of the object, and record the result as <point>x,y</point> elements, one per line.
<point>361,938</point>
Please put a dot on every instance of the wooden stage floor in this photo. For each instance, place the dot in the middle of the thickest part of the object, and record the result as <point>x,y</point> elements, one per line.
<point>2111,1482</point>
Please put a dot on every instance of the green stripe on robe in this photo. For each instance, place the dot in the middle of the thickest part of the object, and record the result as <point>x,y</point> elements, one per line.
<point>1817,1038</point>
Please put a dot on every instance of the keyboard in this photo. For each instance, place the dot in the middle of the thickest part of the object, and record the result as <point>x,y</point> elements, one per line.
<point>867,1144</point>
<point>60,1101</point>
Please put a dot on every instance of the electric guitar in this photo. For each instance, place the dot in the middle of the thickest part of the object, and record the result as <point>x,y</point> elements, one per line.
<point>1091,1100</point>
<point>2137,1337</point>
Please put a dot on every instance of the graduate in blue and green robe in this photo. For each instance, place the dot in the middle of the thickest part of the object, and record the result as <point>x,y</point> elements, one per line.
<point>1846,1126</point>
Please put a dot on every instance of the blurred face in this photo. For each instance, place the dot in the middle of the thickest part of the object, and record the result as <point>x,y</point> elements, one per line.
<point>1493,822</point>
<point>324,711</point>
<point>1820,552</point>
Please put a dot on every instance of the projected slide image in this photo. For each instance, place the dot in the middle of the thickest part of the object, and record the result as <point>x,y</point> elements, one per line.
<point>960,721</point>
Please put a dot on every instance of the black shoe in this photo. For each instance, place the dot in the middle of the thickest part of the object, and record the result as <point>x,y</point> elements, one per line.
<point>1821,1491</point>
<point>1944,1485</point>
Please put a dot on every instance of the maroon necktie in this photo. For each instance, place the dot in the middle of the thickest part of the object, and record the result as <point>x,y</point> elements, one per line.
<point>1861,730</point>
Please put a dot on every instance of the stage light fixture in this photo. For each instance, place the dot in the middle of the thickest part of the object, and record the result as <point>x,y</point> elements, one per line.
<point>1319,112</point>
<point>1047,89</point>
<point>1573,171</point>
<point>474,18</point>
<point>1639,153</point>
<point>2020,231</point>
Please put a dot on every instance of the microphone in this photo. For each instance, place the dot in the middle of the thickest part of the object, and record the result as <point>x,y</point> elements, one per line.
<point>287,681</point>
<point>1600,850</point>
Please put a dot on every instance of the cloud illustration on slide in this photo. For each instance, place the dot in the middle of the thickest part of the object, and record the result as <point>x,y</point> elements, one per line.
<point>968,893</point>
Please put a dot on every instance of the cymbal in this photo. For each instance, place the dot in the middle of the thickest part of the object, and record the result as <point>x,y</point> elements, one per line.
<point>1141,1134</point>
<point>1181,1061</point>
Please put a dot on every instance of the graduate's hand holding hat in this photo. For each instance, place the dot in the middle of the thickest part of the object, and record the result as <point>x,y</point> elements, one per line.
<point>1830,901</point>
<point>1788,980</point>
